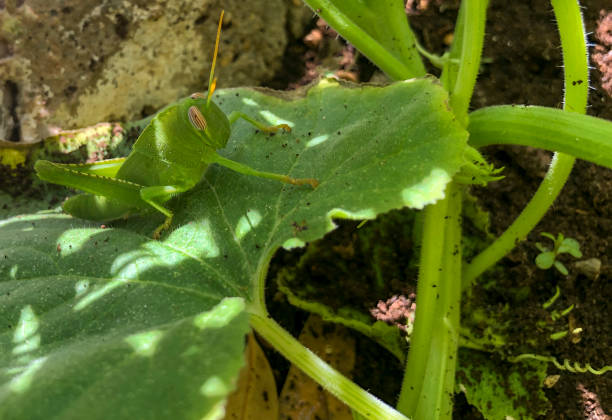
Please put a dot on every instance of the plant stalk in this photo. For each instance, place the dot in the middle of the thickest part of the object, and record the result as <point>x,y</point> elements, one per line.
<point>397,66</point>
<point>459,79</point>
<point>428,386</point>
<point>573,43</point>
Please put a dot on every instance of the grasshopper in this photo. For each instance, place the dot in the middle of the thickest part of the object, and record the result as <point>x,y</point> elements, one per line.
<point>169,157</point>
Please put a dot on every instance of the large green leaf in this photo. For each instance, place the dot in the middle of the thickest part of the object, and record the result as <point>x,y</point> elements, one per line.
<point>105,322</point>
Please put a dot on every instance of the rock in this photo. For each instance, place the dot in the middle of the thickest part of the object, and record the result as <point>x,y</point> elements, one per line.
<point>72,63</point>
<point>590,268</point>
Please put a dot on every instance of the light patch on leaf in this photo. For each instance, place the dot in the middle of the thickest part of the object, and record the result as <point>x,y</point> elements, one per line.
<point>221,315</point>
<point>428,191</point>
<point>20,383</point>
<point>214,387</point>
<point>346,214</point>
<point>317,140</point>
<point>248,222</point>
<point>27,326</point>
<point>129,264</point>
<point>249,102</point>
<point>144,344</point>
<point>81,287</point>
<point>293,243</point>
<point>98,293</point>
<point>28,345</point>
<point>275,119</point>
<point>327,83</point>
<point>216,412</point>
<point>71,241</point>
<point>354,215</point>
<point>196,238</point>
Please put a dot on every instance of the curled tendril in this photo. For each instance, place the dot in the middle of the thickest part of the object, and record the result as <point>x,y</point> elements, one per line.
<point>576,367</point>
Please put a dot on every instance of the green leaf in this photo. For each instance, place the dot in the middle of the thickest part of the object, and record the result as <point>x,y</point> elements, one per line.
<point>549,236</point>
<point>582,136</point>
<point>106,320</point>
<point>502,390</point>
<point>545,260</point>
<point>379,29</point>
<point>561,267</point>
<point>570,246</point>
<point>74,346</point>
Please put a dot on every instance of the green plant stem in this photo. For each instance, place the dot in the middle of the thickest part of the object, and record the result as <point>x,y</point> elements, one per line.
<point>467,46</point>
<point>428,384</point>
<point>333,381</point>
<point>434,59</point>
<point>398,68</point>
<point>451,281</point>
<point>427,287</point>
<point>571,28</point>
<point>582,136</point>
<point>427,388</point>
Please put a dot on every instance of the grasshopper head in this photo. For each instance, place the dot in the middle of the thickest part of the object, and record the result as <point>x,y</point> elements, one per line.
<point>208,119</point>
<point>204,114</point>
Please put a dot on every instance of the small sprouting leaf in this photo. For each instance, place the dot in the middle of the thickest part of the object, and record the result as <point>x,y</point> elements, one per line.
<point>545,260</point>
<point>548,235</point>
<point>570,246</point>
<point>562,269</point>
<point>541,247</point>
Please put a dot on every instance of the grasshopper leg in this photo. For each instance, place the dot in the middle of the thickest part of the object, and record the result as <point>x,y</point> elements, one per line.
<point>106,168</point>
<point>156,195</point>
<point>234,115</point>
<point>96,207</point>
<point>243,169</point>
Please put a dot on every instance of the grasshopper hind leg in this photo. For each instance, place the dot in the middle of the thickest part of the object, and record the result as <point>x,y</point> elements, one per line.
<point>96,208</point>
<point>155,196</point>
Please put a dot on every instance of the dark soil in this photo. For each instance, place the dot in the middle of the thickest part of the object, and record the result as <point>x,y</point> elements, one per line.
<point>524,67</point>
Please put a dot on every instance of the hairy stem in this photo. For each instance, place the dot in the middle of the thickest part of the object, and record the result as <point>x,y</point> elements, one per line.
<point>427,388</point>
<point>365,26</point>
<point>428,384</point>
<point>582,136</point>
<point>571,28</point>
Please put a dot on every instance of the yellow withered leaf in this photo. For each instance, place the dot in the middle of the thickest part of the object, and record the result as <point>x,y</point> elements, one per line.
<point>255,397</point>
<point>301,397</point>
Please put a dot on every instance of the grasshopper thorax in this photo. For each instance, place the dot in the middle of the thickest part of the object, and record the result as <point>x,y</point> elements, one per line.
<point>208,120</point>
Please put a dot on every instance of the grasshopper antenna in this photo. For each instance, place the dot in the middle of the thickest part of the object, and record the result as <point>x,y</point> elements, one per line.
<point>212,82</point>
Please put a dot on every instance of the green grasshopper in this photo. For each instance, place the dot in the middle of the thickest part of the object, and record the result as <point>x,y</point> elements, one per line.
<point>168,158</point>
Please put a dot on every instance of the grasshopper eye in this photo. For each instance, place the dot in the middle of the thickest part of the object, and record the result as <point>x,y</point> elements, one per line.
<point>196,118</point>
<point>197,95</point>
